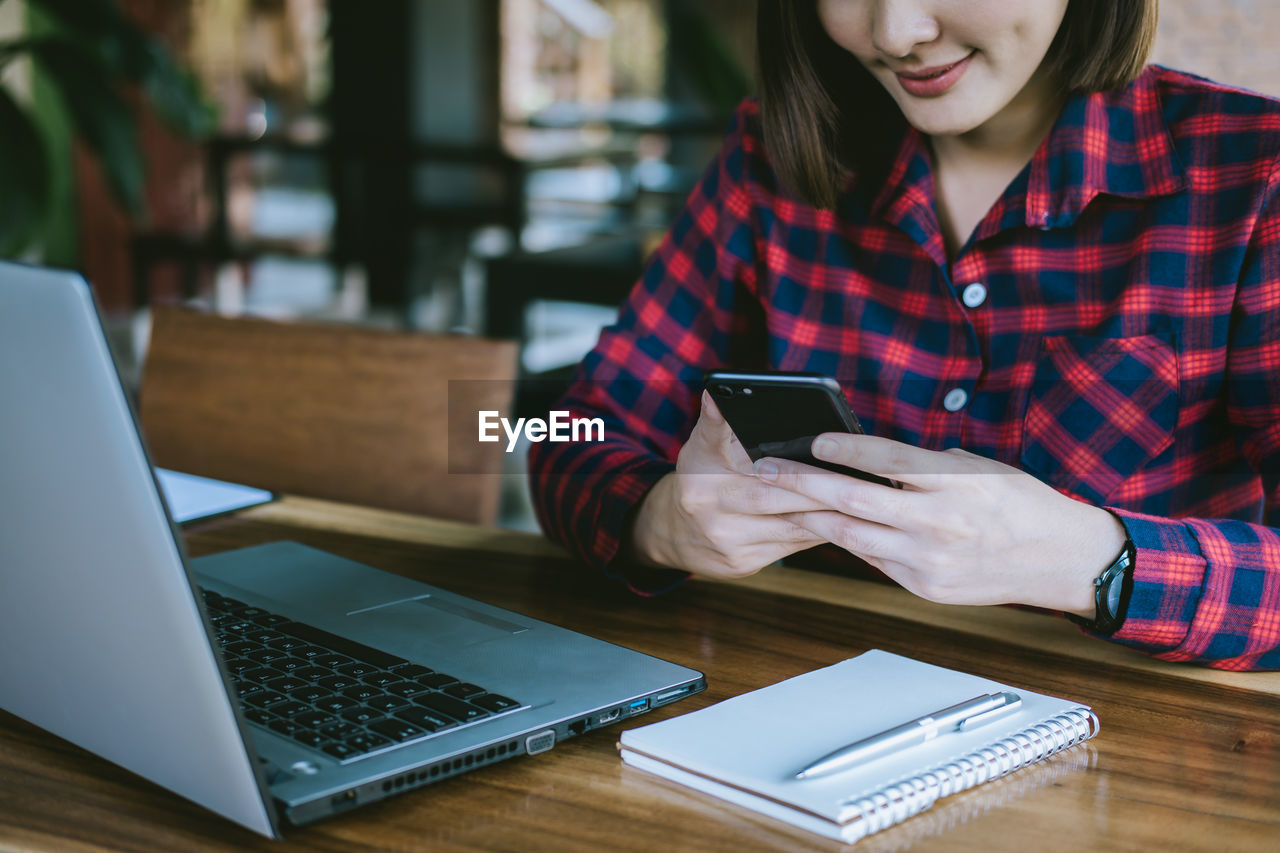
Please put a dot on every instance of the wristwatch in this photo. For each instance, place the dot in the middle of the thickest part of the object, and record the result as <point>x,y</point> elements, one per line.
<point>1111,591</point>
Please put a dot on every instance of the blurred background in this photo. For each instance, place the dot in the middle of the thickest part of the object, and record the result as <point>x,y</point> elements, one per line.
<point>479,167</point>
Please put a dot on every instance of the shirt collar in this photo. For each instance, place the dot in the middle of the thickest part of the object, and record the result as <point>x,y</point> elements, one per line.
<point>1115,143</point>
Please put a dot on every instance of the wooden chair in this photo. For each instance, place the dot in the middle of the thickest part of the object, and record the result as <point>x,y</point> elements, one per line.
<point>338,412</point>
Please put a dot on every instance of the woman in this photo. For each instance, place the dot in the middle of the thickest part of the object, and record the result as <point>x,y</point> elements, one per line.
<point>1001,233</point>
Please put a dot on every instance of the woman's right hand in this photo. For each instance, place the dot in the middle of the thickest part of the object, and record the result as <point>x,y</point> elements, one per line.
<point>712,516</point>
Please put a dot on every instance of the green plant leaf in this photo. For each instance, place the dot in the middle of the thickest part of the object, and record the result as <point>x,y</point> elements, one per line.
<point>176,94</point>
<point>92,18</point>
<point>99,114</point>
<point>24,178</point>
<point>133,54</point>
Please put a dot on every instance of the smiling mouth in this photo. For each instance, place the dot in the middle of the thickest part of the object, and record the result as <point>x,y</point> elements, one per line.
<point>931,73</point>
<point>935,81</point>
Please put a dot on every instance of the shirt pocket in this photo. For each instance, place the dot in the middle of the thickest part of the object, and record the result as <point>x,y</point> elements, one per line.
<point>1099,409</point>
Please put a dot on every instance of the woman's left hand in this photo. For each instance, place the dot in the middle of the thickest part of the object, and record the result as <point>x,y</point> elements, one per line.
<point>963,529</point>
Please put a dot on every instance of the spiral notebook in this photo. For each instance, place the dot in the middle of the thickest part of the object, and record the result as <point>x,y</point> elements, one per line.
<point>748,749</point>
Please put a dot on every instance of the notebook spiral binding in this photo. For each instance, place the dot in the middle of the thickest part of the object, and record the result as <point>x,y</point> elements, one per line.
<point>899,801</point>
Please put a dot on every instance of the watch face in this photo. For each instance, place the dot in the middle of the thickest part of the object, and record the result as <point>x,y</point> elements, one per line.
<point>1114,588</point>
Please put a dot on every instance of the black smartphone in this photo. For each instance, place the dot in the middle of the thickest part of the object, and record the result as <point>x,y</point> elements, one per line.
<point>780,414</point>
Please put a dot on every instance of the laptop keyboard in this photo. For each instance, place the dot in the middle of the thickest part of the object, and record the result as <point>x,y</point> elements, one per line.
<point>333,694</point>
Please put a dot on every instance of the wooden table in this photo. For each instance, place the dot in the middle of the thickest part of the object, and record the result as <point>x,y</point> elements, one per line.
<point>1188,758</point>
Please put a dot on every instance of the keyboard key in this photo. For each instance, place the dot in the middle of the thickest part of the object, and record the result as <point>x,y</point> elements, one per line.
<point>367,742</point>
<point>425,717</point>
<point>377,679</point>
<point>405,688</point>
<point>238,665</point>
<point>494,702</point>
<point>286,727</point>
<point>289,665</point>
<point>287,643</point>
<point>362,692</point>
<point>337,682</point>
<point>310,693</point>
<point>437,680</point>
<point>335,704</point>
<point>309,653</point>
<point>342,645</point>
<point>267,699</point>
<point>311,672</point>
<point>331,660</point>
<point>461,711</point>
<point>260,674</point>
<point>267,620</point>
<point>264,637</point>
<point>237,626</point>
<point>241,648</point>
<point>309,738</point>
<point>291,709</point>
<point>463,690</point>
<point>340,750</point>
<point>357,669</point>
<point>412,670</point>
<point>397,730</point>
<point>315,719</point>
<point>285,683</point>
<point>339,731</point>
<point>386,703</point>
<point>266,656</point>
<point>247,612</point>
<point>361,715</point>
<point>257,715</point>
<point>248,688</point>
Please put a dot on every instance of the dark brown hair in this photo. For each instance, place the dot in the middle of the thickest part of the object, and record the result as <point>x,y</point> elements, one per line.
<point>824,115</point>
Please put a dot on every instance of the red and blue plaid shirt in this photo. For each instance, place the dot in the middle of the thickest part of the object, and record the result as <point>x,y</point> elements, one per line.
<point>1112,326</point>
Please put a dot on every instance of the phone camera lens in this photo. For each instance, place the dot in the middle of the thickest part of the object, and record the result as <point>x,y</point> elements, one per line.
<point>723,391</point>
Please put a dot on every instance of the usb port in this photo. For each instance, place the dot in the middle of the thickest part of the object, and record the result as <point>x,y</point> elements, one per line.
<point>638,706</point>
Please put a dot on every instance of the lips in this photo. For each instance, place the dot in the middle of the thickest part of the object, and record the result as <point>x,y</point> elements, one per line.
<point>931,82</point>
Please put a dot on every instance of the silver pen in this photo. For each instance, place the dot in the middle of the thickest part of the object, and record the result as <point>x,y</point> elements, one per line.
<point>967,715</point>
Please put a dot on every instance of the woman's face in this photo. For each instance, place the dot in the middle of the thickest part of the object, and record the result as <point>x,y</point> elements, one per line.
<point>951,65</point>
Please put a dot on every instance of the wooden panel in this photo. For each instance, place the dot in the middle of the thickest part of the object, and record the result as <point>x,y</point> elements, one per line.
<point>345,413</point>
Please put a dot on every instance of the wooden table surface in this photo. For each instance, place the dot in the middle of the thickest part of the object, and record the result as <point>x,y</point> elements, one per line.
<point>1187,759</point>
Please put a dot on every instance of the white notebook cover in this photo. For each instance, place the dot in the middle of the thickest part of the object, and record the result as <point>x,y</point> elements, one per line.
<point>748,749</point>
<point>191,498</point>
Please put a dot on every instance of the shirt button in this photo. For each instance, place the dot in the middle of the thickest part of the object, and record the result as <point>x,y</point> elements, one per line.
<point>955,400</point>
<point>974,295</point>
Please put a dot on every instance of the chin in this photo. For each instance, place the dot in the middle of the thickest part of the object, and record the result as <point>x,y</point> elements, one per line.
<point>941,122</point>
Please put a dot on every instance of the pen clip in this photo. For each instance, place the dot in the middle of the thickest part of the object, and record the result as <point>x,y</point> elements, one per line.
<point>969,723</point>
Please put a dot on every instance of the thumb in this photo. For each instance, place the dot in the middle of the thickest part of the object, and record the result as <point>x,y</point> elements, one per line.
<point>710,411</point>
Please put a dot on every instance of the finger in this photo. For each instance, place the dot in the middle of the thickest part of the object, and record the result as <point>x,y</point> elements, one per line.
<point>716,431</point>
<point>914,466</point>
<point>841,492</point>
<point>749,496</point>
<point>866,539</point>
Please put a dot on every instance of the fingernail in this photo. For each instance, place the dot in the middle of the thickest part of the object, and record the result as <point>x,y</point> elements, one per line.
<point>767,470</point>
<point>825,448</point>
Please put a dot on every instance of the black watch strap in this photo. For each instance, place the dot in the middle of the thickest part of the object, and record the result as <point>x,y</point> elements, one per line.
<point>1111,591</point>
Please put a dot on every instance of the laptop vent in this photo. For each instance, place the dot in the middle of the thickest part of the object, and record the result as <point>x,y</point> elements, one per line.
<point>444,769</point>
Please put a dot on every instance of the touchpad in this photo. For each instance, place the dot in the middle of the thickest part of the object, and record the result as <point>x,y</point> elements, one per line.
<point>430,622</point>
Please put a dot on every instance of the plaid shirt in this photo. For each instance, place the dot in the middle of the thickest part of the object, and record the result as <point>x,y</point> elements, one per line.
<point>1112,327</point>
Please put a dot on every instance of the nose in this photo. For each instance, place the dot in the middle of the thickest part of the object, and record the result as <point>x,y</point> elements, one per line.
<point>898,26</point>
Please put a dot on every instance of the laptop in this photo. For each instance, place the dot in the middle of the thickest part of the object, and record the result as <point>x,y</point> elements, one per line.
<point>274,685</point>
